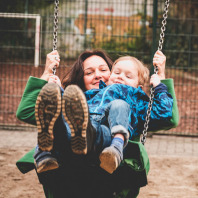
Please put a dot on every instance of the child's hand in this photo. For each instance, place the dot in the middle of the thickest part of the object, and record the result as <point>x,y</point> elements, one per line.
<point>155,80</point>
<point>54,79</point>
<point>159,60</point>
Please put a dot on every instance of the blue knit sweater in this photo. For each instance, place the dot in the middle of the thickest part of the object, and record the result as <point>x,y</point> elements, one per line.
<point>161,112</point>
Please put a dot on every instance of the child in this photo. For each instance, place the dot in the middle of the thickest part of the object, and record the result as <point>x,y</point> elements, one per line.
<point>127,78</point>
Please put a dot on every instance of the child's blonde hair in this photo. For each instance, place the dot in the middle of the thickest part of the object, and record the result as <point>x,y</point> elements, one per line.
<point>143,71</point>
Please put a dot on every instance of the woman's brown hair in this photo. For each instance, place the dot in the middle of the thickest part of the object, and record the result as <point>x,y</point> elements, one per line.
<point>75,74</point>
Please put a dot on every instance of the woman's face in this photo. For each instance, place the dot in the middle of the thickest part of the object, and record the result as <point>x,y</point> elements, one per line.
<point>95,69</point>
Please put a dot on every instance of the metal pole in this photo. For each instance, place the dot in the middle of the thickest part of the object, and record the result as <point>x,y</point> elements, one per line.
<point>144,20</point>
<point>37,41</point>
<point>25,28</point>
<point>85,24</point>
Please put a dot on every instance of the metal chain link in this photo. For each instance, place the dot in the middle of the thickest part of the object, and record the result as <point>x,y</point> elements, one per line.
<point>163,28</point>
<point>55,29</point>
<point>151,97</point>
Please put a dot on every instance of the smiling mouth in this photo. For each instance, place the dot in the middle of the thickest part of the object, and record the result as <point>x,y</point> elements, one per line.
<point>119,82</point>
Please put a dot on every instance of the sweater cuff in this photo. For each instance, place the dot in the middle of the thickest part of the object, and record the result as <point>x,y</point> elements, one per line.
<point>160,88</point>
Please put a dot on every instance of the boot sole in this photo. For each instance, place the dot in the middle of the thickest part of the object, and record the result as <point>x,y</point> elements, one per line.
<point>108,161</point>
<point>75,111</point>
<point>47,110</point>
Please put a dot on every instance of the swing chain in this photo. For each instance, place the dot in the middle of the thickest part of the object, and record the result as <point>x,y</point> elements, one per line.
<point>163,28</point>
<point>151,97</point>
<point>147,119</point>
<point>55,29</point>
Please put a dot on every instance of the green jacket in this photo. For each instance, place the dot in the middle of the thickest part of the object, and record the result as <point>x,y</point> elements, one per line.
<point>135,158</point>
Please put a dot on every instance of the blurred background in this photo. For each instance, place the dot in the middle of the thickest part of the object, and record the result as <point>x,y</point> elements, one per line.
<point>120,27</point>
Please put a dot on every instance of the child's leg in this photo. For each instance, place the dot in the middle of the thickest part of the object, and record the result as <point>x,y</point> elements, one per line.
<point>103,135</point>
<point>117,114</point>
<point>118,118</point>
<point>47,110</point>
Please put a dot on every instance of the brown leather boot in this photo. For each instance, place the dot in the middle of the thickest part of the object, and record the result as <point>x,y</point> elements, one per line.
<point>76,112</point>
<point>47,110</point>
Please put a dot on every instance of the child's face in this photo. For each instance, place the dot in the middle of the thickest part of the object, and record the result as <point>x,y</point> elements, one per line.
<point>124,72</point>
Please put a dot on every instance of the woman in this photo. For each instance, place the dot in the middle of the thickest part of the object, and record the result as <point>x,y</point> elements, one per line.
<point>81,177</point>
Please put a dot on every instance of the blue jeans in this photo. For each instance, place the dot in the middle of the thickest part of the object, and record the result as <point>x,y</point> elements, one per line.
<point>116,120</point>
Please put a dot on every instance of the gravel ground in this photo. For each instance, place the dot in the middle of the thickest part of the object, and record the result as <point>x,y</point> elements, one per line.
<point>173,172</point>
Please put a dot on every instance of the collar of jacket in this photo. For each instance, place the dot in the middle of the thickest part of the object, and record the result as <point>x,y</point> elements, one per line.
<point>102,84</point>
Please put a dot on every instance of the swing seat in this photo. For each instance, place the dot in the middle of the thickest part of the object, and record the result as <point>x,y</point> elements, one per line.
<point>132,173</point>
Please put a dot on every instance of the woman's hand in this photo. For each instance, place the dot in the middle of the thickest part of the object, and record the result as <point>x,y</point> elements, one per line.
<point>52,60</point>
<point>159,60</point>
<point>54,79</point>
<point>155,80</point>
